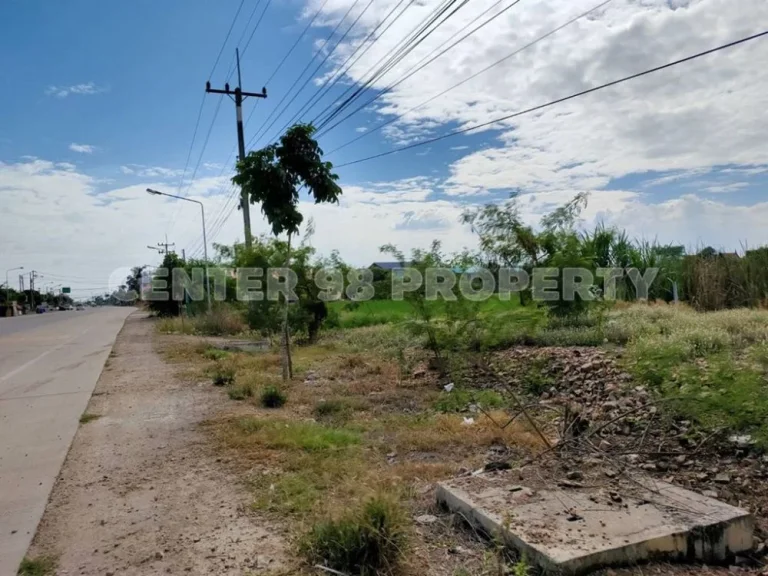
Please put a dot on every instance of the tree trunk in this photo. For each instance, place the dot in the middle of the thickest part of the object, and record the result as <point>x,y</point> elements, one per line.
<point>286,343</point>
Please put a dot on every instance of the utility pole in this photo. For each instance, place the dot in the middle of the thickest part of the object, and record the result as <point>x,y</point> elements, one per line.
<point>32,276</point>
<point>239,97</point>
<point>163,246</point>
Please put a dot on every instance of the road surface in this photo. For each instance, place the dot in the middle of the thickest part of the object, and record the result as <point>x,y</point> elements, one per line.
<point>49,365</point>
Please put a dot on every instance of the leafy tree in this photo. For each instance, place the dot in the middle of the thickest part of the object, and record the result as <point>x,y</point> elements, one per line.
<point>133,281</point>
<point>163,307</point>
<point>272,178</point>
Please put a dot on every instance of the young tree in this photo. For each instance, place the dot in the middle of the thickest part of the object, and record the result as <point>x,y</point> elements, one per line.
<point>272,178</point>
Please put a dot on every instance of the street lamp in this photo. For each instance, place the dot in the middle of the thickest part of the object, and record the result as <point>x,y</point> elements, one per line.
<point>8,286</point>
<point>205,239</point>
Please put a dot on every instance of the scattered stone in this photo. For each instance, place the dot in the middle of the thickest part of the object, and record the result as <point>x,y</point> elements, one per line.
<point>574,475</point>
<point>448,387</point>
<point>420,373</point>
<point>742,441</point>
<point>426,519</point>
<point>710,494</point>
<point>723,478</point>
<point>468,421</point>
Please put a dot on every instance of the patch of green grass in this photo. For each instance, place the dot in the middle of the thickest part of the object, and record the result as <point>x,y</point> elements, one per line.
<point>215,354</point>
<point>308,481</point>
<point>291,435</point>
<point>459,399</point>
<point>41,566</point>
<point>376,312</point>
<point>87,417</point>
<point>367,541</point>
<point>273,397</point>
<point>711,368</point>
<point>240,392</point>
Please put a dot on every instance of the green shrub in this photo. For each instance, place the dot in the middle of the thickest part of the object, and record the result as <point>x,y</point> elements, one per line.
<point>272,397</point>
<point>364,542</point>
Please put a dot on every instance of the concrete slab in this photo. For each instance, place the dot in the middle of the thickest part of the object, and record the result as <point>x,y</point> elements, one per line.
<point>574,529</point>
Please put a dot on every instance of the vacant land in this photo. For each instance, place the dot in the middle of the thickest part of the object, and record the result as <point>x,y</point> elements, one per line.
<point>365,427</point>
<point>203,460</point>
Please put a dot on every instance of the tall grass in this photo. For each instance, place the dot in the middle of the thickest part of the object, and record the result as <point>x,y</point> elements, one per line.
<point>222,321</point>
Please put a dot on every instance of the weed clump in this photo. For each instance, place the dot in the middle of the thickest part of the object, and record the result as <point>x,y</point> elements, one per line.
<point>273,397</point>
<point>88,417</point>
<point>223,374</point>
<point>240,392</point>
<point>364,542</point>
<point>42,566</point>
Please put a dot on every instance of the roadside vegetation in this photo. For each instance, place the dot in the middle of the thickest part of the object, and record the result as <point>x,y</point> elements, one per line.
<point>340,438</point>
<point>41,566</point>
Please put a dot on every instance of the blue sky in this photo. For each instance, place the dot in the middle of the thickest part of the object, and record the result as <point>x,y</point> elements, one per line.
<point>100,99</point>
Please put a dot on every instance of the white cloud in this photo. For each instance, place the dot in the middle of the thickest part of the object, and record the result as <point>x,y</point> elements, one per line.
<point>692,117</point>
<point>82,148</point>
<point>724,188</point>
<point>95,231</point>
<point>86,89</point>
<point>150,171</point>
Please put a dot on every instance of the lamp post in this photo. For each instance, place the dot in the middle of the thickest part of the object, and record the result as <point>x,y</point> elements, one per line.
<point>8,286</point>
<point>205,239</point>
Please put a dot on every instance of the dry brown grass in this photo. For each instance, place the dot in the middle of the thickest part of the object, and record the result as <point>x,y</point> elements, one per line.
<point>301,462</point>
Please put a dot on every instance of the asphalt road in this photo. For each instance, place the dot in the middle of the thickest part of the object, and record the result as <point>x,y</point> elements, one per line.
<point>49,365</point>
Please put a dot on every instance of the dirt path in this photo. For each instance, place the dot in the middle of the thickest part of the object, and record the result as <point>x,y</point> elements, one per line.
<point>140,491</point>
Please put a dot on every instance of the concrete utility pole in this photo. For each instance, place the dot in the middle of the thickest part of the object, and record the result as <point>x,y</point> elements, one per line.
<point>32,276</point>
<point>239,97</point>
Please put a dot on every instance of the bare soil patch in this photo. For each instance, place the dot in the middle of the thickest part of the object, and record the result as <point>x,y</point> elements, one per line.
<point>142,491</point>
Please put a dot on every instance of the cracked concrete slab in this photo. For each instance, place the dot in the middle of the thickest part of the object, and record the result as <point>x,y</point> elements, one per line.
<point>574,529</point>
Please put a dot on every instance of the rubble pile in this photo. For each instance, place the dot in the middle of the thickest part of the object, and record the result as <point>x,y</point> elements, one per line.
<point>601,419</point>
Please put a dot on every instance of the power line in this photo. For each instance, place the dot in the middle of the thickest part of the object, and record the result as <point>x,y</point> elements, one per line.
<point>245,48</point>
<point>202,105</point>
<point>343,69</point>
<point>296,43</point>
<point>317,52</point>
<point>378,70</point>
<point>417,69</point>
<point>223,45</point>
<point>473,76</point>
<point>231,69</point>
<point>558,101</point>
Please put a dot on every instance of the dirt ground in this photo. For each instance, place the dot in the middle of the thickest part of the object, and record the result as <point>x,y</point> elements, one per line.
<point>141,492</point>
